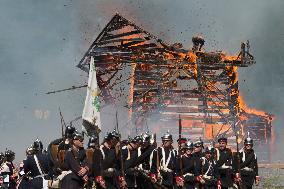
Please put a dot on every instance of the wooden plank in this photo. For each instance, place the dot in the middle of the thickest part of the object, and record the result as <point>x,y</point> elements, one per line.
<point>130,40</point>
<point>112,36</point>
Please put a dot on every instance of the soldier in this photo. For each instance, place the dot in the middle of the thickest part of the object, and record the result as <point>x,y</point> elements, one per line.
<point>187,170</point>
<point>163,164</point>
<point>196,156</point>
<point>77,165</point>
<point>248,165</point>
<point>146,148</point>
<point>94,158</point>
<point>224,163</point>
<point>197,149</point>
<point>30,151</point>
<point>36,166</point>
<point>208,174</point>
<point>63,147</point>
<point>7,171</point>
<point>24,180</point>
<point>143,161</point>
<point>109,160</point>
<point>67,140</point>
<point>130,155</point>
<point>182,143</point>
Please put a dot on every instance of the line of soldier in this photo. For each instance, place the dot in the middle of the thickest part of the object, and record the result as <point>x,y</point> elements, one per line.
<point>135,163</point>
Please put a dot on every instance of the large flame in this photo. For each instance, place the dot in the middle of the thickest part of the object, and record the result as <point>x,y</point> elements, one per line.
<point>244,107</point>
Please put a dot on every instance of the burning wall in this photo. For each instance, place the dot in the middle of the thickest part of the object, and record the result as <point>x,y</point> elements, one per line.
<point>167,81</point>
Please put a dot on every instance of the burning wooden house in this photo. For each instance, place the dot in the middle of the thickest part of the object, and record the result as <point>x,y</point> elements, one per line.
<point>168,81</point>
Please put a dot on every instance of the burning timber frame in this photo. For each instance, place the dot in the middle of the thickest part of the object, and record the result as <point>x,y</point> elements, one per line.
<point>168,81</point>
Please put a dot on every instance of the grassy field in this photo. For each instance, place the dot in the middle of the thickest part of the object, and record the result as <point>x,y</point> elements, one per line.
<point>271,178</point>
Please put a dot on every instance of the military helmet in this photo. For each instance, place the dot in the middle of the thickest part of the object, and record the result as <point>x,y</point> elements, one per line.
<point>77,135</point>
<point>145,137</point>
<point>210,149</point>
<point>189,144</point>
<point>167,136</point>
<point>124,142</point>
<point>182,141</point>
<point>9,154</point>
<point>106,136</point>
<point>222,138</point>
<point>136,139</point>
<point>37,145</point>
<point>93,140</point>
<point>198,143</point>
<point>248,140</point>
<point>69,131</point>
<point>112,135</point>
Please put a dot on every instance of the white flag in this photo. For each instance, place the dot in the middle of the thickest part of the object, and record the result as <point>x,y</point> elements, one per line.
<point>91,112</point>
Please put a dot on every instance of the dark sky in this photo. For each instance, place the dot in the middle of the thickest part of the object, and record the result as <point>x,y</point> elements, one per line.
<point>41,42</point>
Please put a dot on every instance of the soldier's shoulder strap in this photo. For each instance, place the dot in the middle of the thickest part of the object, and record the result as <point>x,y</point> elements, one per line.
<point>102,151</point>
<point>175,152</point>
<point>217,154</point>
<point>255,156</point>
<point>203,160</point>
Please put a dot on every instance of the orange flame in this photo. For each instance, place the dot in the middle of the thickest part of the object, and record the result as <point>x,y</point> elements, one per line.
<point>227,57</point>
<point>245,108</point>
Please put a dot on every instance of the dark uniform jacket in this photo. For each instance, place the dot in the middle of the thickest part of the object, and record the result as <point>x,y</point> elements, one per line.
<point>248,167</point>
<point>209,172</point>
<point>109,166</point>
<point>143,164</point>
<point>97,163</point>
<point>30,167</point>
<point>198,168</point>
<point>224,165</point>
<point>129,158</point>
<point>187,170</point>
<point>24,178</point>
<point>165,161</point>
<point>143,159</point>
<point>196,158</point>
<point>74,162</point>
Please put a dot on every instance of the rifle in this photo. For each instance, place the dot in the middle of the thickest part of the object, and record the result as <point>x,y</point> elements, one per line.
<point>63,124</point>
<point>120,150</point>
<point>202,173</point>
<point>157,162</point>
<point>179,147</point>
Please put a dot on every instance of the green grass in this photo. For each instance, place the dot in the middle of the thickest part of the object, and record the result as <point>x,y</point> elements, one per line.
<point>273,182</point>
